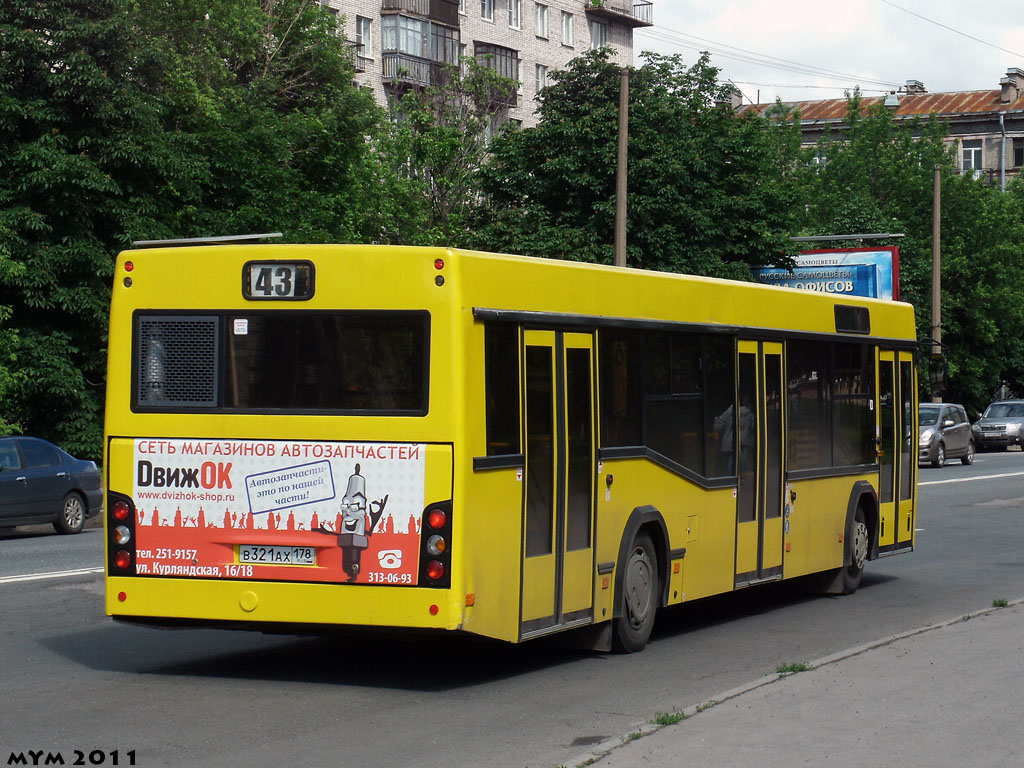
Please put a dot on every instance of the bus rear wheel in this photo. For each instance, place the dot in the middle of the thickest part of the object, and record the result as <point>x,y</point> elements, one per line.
<point>859,538</point>
<point>639,596</point>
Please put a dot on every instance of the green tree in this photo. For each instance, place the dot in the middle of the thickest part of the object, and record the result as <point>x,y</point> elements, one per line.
<point>702,194</point>
<point>428,157</point>
<point>877,175</point>
<point>140,119</point>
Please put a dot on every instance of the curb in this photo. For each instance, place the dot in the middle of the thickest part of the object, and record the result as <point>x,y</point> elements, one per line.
<point>646,728</point>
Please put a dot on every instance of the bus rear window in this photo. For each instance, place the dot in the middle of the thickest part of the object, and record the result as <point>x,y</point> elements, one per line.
<point>298,361</point>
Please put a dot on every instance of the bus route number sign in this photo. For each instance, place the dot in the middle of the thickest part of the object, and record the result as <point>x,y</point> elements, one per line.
<point>278,280</point>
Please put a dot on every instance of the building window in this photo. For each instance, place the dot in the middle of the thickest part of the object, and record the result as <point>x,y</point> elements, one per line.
<point>971,155</point>
<point>1018,152</point>
<point>487,10</point>
<point>419,38</point>
<point>364,37</point>
<point>504,61</point>
<point>519,76</point>
<point>462,7</point>
<point>568,28</point>
<point>598,35</point>
<point>542,77</point>
<point>444,44</point>
<point>542,20</point>
<point>515,10</point>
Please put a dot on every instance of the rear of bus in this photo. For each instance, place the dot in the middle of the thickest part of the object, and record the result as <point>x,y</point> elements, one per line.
<point>279,437</point>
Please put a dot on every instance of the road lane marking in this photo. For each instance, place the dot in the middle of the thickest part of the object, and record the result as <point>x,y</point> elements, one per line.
<point>50,575</point>
<point>968,479</point>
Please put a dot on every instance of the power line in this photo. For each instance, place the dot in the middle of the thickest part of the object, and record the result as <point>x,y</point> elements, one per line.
<point>684,40</point>
<point>951,29</point>
<point>820,87</point>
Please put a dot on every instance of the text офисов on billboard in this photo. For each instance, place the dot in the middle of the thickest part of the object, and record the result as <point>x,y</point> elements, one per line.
<point>871,272</point>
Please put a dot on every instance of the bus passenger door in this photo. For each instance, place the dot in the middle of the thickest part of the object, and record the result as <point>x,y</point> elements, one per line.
<point>759,503</point>
<point>558,548</point>
<point>907,425</point>
<point>896,450</point>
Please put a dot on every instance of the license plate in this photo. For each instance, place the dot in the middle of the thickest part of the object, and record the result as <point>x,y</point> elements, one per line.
<point>992,434</point>
<point>272,555</point>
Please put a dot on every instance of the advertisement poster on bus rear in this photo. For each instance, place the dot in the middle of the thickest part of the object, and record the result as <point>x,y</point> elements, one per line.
<point>280,510</point>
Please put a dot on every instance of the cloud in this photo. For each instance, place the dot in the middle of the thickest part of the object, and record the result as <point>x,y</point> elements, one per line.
<point>865,42</point>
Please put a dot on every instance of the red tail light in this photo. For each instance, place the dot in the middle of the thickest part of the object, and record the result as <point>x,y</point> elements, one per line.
<point>435,570</point>
<point>436,518</point>
<point>121,510</point>
<point>123,560</point>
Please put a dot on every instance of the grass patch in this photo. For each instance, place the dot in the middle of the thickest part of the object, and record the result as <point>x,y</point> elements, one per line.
<point>668,718</point>
<point>706,705</point>
<point>789,669</point>
<point>999,603</point>
<point>633,736</point>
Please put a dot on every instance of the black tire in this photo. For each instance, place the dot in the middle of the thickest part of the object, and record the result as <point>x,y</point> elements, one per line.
<point>968,458</point>
<point>640,589</point>
<point>72,514</point>
<point>859,542</point>
<point>940,456</point>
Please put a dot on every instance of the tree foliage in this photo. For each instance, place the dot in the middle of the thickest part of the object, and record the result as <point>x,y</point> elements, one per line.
<point>702,197</point>
<point>878,177</point>
<point>147,119</point>
<point>428,156</point>
<point>140,119</point>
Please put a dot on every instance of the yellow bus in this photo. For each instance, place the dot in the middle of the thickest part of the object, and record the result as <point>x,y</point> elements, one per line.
<point>301,437</point>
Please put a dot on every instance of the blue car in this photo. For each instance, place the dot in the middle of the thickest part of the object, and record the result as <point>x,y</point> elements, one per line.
<point>40,483</point>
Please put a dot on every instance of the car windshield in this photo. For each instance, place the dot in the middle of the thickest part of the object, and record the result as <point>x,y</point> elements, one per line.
<point>927,415</point>
<point>1004,410</point>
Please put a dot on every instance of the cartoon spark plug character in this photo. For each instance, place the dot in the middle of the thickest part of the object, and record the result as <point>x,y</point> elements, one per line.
<point>358,519</point>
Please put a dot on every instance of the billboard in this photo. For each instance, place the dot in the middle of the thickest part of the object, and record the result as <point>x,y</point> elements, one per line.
<point>871,272</point>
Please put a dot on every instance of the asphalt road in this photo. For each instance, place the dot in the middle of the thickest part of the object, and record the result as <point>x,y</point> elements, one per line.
<point>73,680</point>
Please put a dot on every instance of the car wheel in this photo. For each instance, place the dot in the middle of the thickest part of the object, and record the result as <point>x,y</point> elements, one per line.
<point>940,456</point>
<point>72,515</point>
<point>968,458</point>
<point>639,598</point>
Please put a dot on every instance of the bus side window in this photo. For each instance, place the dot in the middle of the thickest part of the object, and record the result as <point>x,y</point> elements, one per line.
<point>621,360</point>
<point>501,371</point>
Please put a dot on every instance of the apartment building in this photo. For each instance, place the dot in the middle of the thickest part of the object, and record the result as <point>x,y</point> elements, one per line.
<point>402,44</point>
<point>988,124</point>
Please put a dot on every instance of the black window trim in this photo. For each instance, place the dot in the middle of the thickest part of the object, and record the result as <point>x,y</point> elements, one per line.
<point>223,314</point>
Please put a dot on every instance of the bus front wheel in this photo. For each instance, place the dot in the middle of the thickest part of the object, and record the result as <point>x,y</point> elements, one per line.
<point>859,540</point>
<point>639,596</point>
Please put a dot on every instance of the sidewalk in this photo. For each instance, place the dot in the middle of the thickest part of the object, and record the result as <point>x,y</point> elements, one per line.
<point>949,694</point>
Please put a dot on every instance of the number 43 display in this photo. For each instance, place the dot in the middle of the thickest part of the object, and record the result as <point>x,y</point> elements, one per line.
<point>287,280</point>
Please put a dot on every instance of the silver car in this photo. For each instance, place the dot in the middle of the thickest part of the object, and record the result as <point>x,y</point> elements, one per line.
<point>944,433</point>
<point>1000,426</point>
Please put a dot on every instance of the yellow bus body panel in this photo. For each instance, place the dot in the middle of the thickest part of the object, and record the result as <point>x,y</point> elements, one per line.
<point>487,576</point>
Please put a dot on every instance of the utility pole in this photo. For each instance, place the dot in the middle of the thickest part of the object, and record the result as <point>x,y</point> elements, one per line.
<point>620,176</point>
<point>936,274</point>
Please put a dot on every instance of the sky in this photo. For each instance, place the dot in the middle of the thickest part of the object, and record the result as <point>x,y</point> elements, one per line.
<point>800,50</point>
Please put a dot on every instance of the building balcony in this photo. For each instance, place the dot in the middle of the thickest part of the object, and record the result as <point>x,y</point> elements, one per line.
<point>357,58</point>
<point>632,14</point>
<point>441,11</point>
<point>403,68</point>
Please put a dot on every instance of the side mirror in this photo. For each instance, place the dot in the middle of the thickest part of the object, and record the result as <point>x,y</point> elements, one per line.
<point>948,423</point>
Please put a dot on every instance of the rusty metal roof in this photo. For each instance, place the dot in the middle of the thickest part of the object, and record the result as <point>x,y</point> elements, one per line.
<point>959,103</point>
